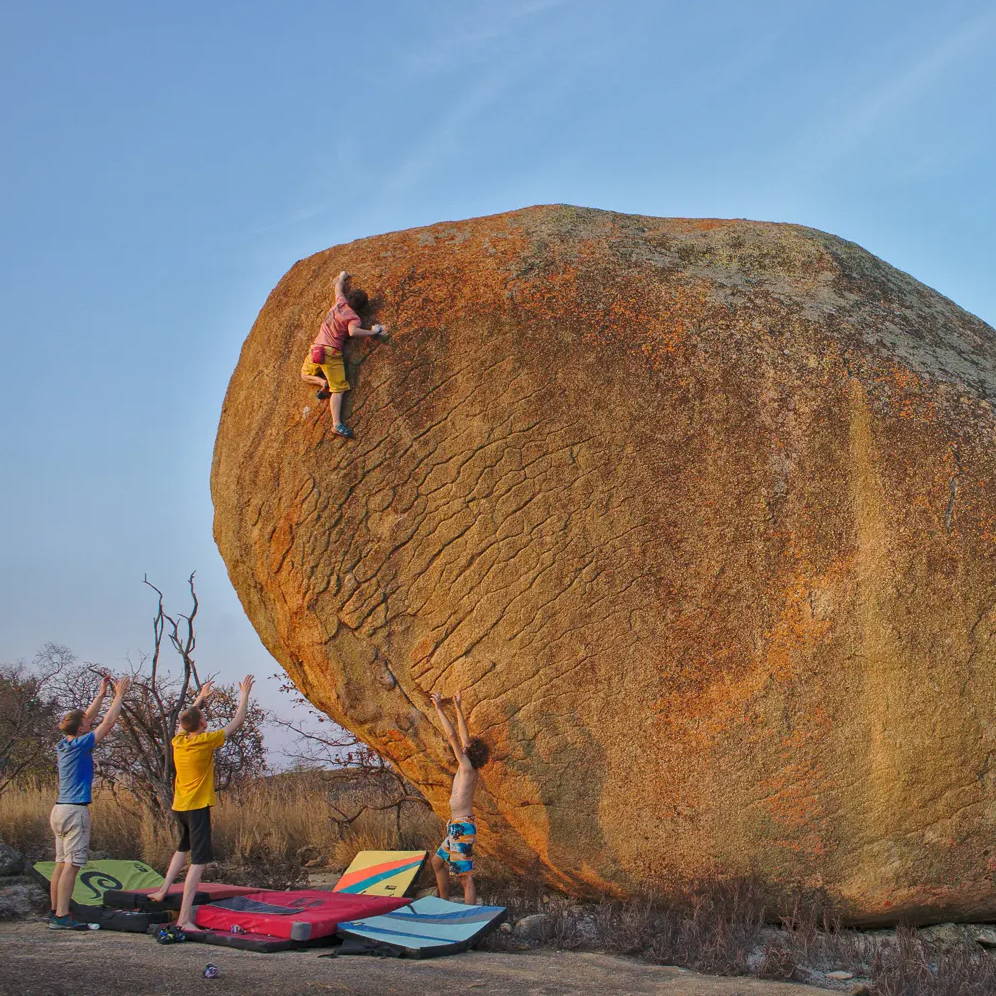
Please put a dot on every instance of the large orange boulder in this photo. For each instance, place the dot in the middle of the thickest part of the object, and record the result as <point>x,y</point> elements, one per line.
<point>700,515</point>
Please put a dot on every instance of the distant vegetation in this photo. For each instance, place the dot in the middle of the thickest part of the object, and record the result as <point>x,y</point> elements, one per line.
<point>270,831</point>
<point>342,797</point>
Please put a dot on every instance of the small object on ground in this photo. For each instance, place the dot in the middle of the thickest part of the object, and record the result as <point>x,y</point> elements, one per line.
<point>93,926</point>
<point>343,430</point>
<point>840,975</point>
<point>534,927</point>
<point>323,395</point>
<point>66,922</point>
<point>171,935</point>
<point>211,971</point>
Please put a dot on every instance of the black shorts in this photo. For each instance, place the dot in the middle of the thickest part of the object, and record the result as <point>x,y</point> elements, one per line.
<point>195,834</point>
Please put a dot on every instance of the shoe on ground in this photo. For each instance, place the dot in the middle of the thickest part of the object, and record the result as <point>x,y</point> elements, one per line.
<point>344,431</point>
<point>67,922</point>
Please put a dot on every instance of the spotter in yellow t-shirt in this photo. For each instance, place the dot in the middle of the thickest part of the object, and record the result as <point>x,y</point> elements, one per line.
<point>193,756</point>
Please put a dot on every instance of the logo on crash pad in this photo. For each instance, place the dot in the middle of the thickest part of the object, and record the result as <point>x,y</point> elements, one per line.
<point>99,882</point>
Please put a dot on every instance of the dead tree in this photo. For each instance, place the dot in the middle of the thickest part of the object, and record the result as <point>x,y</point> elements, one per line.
<point>347,762</point>
<point>140,754</point>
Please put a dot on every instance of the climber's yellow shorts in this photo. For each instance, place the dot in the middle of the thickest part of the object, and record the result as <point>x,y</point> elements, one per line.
<point>333,368</point>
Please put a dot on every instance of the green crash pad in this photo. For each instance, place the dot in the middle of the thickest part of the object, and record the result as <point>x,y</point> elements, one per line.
<point>96,877</point>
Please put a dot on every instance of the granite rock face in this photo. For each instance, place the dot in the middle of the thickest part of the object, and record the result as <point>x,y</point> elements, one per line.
<point>699,514</point>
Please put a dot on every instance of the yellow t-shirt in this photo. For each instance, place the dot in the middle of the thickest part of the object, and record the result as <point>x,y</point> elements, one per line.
<point>193,756</point>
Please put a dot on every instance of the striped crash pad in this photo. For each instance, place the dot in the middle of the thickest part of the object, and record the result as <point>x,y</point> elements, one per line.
<point>424,929</point>
<point>381,873</point>
<point>300,915</point>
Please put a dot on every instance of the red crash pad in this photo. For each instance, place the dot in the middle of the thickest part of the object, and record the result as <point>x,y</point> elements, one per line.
<point>207,892</point>
<point>300,915</point>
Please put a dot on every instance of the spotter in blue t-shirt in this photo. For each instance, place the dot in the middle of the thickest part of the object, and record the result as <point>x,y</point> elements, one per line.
<point>75,758</point>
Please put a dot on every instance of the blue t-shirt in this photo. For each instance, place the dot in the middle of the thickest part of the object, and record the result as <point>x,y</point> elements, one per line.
<point>75,769</point>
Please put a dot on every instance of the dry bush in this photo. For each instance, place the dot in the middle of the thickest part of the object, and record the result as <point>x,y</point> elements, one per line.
<point>720,926</point>
<point>710,926</point>
<point>715,925</point>
<point>913,966</point>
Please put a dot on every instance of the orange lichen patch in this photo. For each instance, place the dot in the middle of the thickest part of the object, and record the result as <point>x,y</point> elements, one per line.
<point>797,629</point>
<point>792,794</point>
<point>700,224</point>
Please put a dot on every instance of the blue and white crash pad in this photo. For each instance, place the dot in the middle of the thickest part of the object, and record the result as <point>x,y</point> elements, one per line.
<point>423,929</point>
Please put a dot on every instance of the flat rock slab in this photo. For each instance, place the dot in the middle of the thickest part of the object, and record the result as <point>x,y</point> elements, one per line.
<point>40,962</point>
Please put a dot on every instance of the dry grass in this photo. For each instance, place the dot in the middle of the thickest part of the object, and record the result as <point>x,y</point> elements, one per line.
<point>273,827</point>
<point>915,967</point>
<point>24,813</point>
<point>722,926</point>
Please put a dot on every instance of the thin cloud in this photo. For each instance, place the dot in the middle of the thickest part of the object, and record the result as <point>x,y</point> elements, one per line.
<point>442,139</point>
<point>901,91</point>
<point>491,22</point>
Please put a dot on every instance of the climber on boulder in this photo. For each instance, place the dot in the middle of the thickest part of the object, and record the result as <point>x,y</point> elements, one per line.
<point>324,366</point>
<point>456,852</point>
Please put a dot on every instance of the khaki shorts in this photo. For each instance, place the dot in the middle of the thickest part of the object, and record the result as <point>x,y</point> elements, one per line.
<point>71,826</point>
<point>334,369</point>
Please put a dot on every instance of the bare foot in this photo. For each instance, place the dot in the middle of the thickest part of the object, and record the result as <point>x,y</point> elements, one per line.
<point>157,897</point>
<point>186,927</point>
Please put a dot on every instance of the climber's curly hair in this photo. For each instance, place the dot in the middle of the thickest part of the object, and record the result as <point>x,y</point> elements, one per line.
<point>478,752</point>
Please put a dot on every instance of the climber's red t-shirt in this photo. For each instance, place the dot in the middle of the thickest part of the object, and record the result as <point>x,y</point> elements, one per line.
<point>335,328</point>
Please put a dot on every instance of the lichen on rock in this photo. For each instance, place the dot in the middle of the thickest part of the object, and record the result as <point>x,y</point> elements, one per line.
<point>699,513</point>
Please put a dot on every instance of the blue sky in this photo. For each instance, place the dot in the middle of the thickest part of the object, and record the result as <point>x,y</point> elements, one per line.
<point>165,164</point>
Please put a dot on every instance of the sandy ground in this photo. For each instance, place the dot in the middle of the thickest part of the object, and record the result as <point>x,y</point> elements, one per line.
<point>36,961</point>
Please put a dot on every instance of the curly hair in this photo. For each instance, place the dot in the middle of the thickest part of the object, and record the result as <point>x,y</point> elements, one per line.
<point>478,752</point>
<point>357,299</point>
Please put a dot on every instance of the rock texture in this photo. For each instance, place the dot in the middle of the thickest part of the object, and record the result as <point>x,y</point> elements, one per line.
<point>11,861</point>
<point>20,897</point>
<point>699,514</point>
